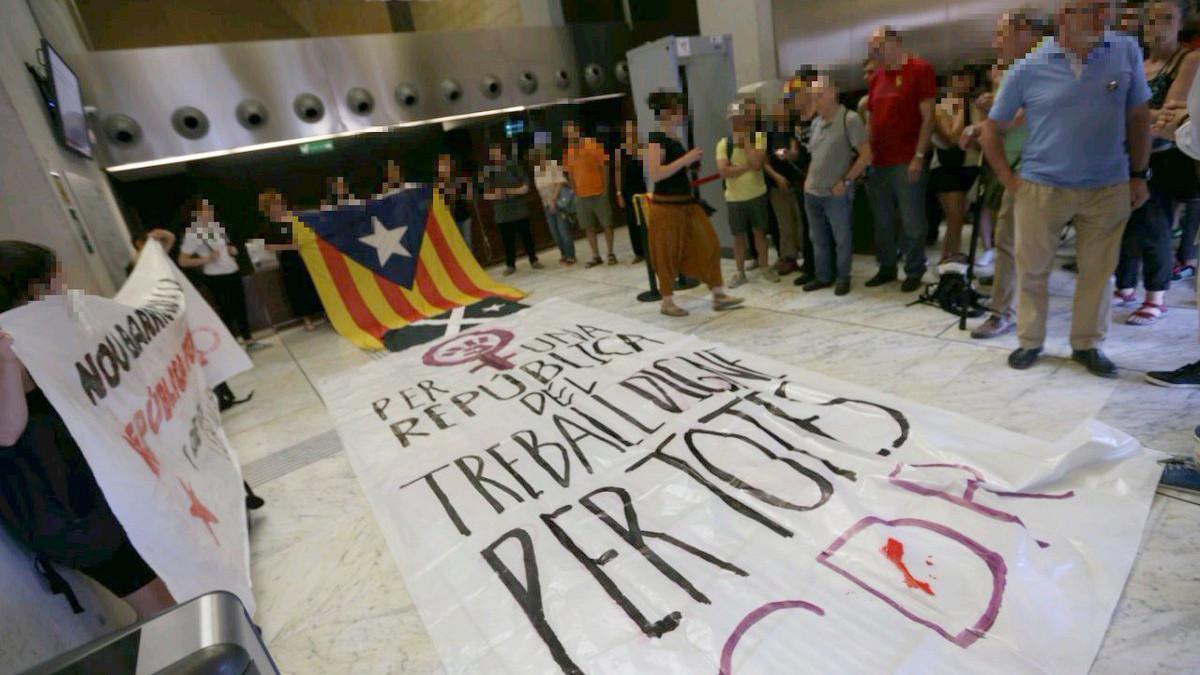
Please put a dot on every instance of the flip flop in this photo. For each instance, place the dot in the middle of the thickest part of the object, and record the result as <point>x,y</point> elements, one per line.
<point>674,310</point>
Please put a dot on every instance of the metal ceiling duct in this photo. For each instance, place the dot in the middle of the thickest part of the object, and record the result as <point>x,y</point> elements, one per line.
<point>281,91</point>
<point>832,34</point>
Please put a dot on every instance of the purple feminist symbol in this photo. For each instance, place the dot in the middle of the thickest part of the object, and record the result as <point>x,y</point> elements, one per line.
<point>481,345</point>
<point>995,564</point>
<point>754,617</point>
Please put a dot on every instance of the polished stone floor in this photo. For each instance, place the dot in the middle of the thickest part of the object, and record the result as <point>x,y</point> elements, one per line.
<point>330,599</point>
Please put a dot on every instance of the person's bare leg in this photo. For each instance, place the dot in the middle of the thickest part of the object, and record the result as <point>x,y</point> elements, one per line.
<point>952,206</point>
<point>986,218</point>
<point>739,252</point>
<point>591,237</point>
<point>760,243</point>
<point>150,599</point>
<point>608,239</point>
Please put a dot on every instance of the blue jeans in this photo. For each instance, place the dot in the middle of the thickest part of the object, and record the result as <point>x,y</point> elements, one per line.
<point>888,186</point>
<point>560,229</point>
<point>830,230</point>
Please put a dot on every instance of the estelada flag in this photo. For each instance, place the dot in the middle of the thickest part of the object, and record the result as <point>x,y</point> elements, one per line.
<point>384,263</point>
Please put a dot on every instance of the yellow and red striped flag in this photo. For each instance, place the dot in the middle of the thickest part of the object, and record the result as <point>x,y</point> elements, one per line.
<point>384,263</point>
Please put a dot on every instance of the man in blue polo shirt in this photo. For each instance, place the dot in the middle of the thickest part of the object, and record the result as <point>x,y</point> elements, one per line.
<point>1085,162</point>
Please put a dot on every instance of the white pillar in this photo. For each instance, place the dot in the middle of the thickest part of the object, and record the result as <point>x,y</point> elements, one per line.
<point>542,12</point>
<point>751,25</point>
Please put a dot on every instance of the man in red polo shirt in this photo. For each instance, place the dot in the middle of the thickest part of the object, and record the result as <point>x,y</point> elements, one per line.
<point>900,99</point>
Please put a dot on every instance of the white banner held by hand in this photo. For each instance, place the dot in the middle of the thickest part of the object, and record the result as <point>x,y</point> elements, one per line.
<point>130,377</point>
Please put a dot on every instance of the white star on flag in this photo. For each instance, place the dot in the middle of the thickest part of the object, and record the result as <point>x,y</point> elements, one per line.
<point>386,242</point>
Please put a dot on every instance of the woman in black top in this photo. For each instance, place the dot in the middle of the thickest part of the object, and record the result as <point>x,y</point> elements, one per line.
<point>682,239</point>
<point>49,499</point>
<point>457,193</point>
<point>297,284</point>
<point>1170,69</point>
<point>632,181</point>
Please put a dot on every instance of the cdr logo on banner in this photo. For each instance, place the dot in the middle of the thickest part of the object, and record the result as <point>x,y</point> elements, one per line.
<point>131,377</point>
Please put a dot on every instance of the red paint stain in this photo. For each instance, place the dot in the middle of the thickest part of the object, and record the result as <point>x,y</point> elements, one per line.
<point>894,551</point>
<point>199,511</point>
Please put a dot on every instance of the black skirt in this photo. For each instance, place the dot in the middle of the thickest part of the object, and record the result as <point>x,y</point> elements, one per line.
<point>951,175</point>
<point>298,285</point>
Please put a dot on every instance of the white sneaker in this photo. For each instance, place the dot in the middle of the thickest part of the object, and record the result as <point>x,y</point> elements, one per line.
<point>737,281</point>
<point>987,258</point>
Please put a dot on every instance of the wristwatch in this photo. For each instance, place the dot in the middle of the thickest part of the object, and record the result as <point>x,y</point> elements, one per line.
<point>1144,174</point>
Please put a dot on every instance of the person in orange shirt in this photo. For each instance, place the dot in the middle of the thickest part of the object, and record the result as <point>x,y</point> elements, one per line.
<point>585,162</point>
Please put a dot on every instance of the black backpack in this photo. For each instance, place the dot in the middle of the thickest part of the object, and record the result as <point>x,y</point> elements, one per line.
<point>950,293</point>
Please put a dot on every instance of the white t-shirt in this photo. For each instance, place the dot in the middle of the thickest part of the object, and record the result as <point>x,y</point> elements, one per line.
<point>201,240</point>
<point>547,178</point>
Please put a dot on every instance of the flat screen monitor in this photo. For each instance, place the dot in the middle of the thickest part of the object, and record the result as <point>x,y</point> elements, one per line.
<point>66,103</point>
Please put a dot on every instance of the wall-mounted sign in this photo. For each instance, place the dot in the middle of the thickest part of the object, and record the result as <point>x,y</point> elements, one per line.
<point>317,147</point>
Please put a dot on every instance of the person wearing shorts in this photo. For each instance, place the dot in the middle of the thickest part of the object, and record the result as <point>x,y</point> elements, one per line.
<point>740,160</point>
<point>586,164</point>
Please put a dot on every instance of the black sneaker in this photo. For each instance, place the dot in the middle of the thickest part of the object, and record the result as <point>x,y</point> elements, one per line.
<point>881,277</point>
<point>842,287</point>
<point>816,285</point>
<point>803,279</point>
<point>253,501</point>
<point>1095,361</point>
<point>1022,358</point>
<point>911,283</point>
<point>1187,377</point>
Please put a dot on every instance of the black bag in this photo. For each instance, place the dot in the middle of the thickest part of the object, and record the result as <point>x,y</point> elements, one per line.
<point>950,293</point>
<point>1175,174</point>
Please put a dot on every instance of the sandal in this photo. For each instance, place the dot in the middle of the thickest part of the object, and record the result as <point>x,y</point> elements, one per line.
<point>1147,314</point>
<point>673,310</point>
<point>593,262</point>
<point>612,259</point>
<point>1124,299</point>
<point>726,302</point>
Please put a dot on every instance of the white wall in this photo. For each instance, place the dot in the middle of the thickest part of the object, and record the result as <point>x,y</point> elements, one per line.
<point>750,24</point>
<point>29,209</point>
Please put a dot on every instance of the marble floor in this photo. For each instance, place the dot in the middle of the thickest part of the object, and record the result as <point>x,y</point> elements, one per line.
<point>330,599</point>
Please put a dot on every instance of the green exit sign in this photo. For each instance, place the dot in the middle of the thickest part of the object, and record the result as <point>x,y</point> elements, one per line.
<point>317,147</point>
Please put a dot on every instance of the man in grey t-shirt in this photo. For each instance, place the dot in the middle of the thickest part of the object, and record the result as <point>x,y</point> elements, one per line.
<point>506,188</point>
<point>840,154</point>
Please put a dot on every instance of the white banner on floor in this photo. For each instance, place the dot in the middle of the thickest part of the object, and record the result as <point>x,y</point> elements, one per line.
<point>130,377</point>
<point>569,490</point>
